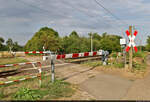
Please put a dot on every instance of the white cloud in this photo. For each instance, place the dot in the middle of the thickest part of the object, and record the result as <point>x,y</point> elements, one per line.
<point>23,16</point>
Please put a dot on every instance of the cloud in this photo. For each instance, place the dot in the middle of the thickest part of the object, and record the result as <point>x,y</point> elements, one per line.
<point>21,18</point>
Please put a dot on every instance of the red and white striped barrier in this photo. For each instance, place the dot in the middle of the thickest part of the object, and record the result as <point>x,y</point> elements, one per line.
<point>76,55</point>
<point>8,82</point>
<point>31,77</point>
<point>10,65</point>
<point>35,52</point>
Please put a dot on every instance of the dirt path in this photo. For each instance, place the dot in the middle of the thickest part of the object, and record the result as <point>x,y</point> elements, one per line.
<point>140,89</point>
<point>95,84</point>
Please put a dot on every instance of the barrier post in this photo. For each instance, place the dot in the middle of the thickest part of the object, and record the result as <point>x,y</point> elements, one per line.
<point>40,73</point>
<point>52,67</point>
<point>53,70</point>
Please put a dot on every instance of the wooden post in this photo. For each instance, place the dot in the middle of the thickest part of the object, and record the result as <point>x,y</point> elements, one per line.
<point>131,50</point>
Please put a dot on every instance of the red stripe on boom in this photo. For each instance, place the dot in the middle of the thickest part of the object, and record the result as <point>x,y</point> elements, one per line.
<point>2,66</point>
<point>86,54</point>
<point>58,57</point>
<point>16,80</point>
<point>75,55</point>
<point>94,53</point>
<point>26,52</point>
<point>33,51</point>
<point>63,56</point>
<point>28,63</point>
<point>15,64</point>
<point>41,52</point>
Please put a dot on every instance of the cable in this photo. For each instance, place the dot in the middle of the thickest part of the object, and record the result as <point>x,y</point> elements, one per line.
<point>50,12</point>
<point>110,13</point>
<point>93,16</point>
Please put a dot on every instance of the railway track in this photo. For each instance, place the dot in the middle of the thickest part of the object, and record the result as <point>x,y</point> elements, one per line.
<point>45,67</point>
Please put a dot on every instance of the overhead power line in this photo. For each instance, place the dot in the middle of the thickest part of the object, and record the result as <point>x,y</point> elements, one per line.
<point>87,14</point>
<point>117,18</point>
<point>33,6</point>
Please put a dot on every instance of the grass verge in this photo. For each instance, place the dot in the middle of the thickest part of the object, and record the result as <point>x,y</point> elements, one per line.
<point>12,60</point>
<point>31,90</point>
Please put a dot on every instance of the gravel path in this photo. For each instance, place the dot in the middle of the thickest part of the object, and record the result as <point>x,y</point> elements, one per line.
<point>140,89</point>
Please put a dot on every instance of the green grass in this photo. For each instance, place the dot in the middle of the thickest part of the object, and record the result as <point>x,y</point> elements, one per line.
<point>31,90</point>
<point>137,66</point>
<point>118,65</point>
<point>11,60</point>
<point>92,63</point>
<point>140,54</point>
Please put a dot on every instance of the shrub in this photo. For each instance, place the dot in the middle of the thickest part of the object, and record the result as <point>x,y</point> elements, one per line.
<point>27,94</point>
<point>139,54</point>
<point>119,65</point>
<point>138,66</point>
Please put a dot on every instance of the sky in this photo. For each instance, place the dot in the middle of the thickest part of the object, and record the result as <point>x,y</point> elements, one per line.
<point>20,19</point>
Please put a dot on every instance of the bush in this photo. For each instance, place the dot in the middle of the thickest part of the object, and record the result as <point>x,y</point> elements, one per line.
<point>93,64</point>
<point>114,55</point>
<point>119,65</point>
<point>27,94</point>
<point>138,66</point>
<point>58,89</point>
<point>2,93</point>
<point>139,54</point>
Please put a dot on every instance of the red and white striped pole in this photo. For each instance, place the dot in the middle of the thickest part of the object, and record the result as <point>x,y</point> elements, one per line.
<point>10,65</point>
<point>31,77</point>
<point>40,73</point>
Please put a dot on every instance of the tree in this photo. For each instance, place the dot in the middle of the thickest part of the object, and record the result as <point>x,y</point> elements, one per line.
<point>110,42</point>
<point>9,43</point>
<point>46,37</point>
<point>1,43</point>
<point>148,44</point>
<point>74,34</point>
<point>17,47</point>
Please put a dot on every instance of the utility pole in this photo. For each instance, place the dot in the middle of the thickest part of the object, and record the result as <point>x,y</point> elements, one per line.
<point>131,50</point>
<point>91,43</point>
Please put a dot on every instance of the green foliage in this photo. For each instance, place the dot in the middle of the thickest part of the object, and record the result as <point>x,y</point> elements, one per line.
<point>2,95</point>
<point>139,54</point>
<point>119,65</point>
<point>114,55</point>
<point>10,45</point>
<point>27,94</point>
<point>148,44</point>
<point>73,43</point>
<point>110,42</point>
<point>1,44</point>
<point>12,60</point>
<point>58,89</point>
<point>137,66</point>
<point>46,37</point>
<point>93,63</point>
<point>17,47</point>
<point>51,90</point>
<point>26,90</point>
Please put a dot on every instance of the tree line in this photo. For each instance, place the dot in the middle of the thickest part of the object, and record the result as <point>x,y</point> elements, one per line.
<point>10,45</point>
<point>73,43</point>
